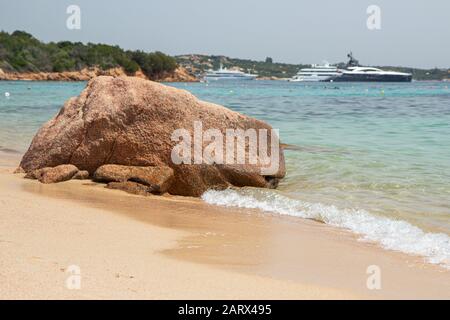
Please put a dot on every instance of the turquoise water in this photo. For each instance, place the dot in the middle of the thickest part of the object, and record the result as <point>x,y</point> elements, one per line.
<point>381,147</point>
<point>29,105</point>
<point>378,149</point>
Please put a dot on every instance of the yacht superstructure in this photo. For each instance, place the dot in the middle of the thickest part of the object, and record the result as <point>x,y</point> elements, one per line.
<point>226,74</point>
<point>316,73</point>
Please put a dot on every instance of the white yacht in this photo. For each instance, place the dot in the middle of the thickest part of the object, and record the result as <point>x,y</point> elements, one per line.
<point>316,73</point>
<point>368,74</point>
<point>226,74</point>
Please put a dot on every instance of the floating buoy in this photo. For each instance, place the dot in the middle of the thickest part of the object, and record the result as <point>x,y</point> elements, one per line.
<point>6,94</point>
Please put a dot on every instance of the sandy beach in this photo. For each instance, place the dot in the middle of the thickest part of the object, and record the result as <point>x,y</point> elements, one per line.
<point>134,247</point>
<point>153,151</point>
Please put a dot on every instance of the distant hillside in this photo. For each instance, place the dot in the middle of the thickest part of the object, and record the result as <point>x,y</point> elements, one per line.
<point>24,57</point>
<point>20,52</point>
<point>198,64</point>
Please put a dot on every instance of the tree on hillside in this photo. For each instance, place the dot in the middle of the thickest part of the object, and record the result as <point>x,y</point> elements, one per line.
<point>21,52</point>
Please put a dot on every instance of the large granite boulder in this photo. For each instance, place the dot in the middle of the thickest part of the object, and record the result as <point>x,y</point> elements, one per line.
<point>130,121</point>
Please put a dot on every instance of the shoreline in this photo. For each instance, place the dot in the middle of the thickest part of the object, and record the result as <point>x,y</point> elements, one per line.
<point>284,257</point>
<point>166,79</point>
<point>118,257</point>
<point>178,75</point>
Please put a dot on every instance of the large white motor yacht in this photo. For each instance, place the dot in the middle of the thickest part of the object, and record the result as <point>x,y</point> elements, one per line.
<point>372,74</point>
<point>316,73</point>
<point>355,72</point>
<point>226,74</point>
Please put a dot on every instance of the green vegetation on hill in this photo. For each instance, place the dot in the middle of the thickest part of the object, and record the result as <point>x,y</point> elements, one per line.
<point>21,52</point>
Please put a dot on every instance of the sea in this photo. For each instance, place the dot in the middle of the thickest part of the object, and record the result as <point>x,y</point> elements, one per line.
<point>372,158</point>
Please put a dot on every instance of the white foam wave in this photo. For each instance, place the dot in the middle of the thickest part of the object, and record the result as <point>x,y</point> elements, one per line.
<point>389,233</point>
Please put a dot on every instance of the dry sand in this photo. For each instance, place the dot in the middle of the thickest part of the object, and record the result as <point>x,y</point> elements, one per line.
<point>132,247</point>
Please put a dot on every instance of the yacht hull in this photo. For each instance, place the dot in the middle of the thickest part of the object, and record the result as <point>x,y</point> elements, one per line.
<point>229,78</point>
<point>310,79</point>
<point>372,78</point>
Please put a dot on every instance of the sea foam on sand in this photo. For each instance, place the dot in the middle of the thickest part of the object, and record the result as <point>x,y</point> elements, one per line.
<point>389,233</point>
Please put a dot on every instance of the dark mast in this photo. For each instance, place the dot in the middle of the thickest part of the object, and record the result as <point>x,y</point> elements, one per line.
<point>352,62</point>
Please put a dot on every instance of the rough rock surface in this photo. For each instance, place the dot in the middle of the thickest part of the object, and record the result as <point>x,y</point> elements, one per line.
<point>19,170</point>
<point>81,175</point>
<point>158,179</point>
<point>131,187</point>
<point>130,121</point>
<point>56,174</point>
<point>36,173</point>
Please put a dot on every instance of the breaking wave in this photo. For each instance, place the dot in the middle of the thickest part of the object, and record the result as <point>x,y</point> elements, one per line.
<point>391,234</point>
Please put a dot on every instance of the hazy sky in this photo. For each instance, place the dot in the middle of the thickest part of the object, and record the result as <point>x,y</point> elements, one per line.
<point>413,32</point>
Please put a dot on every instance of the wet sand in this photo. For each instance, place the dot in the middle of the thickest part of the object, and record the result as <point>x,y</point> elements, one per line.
<point>174,247</point>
